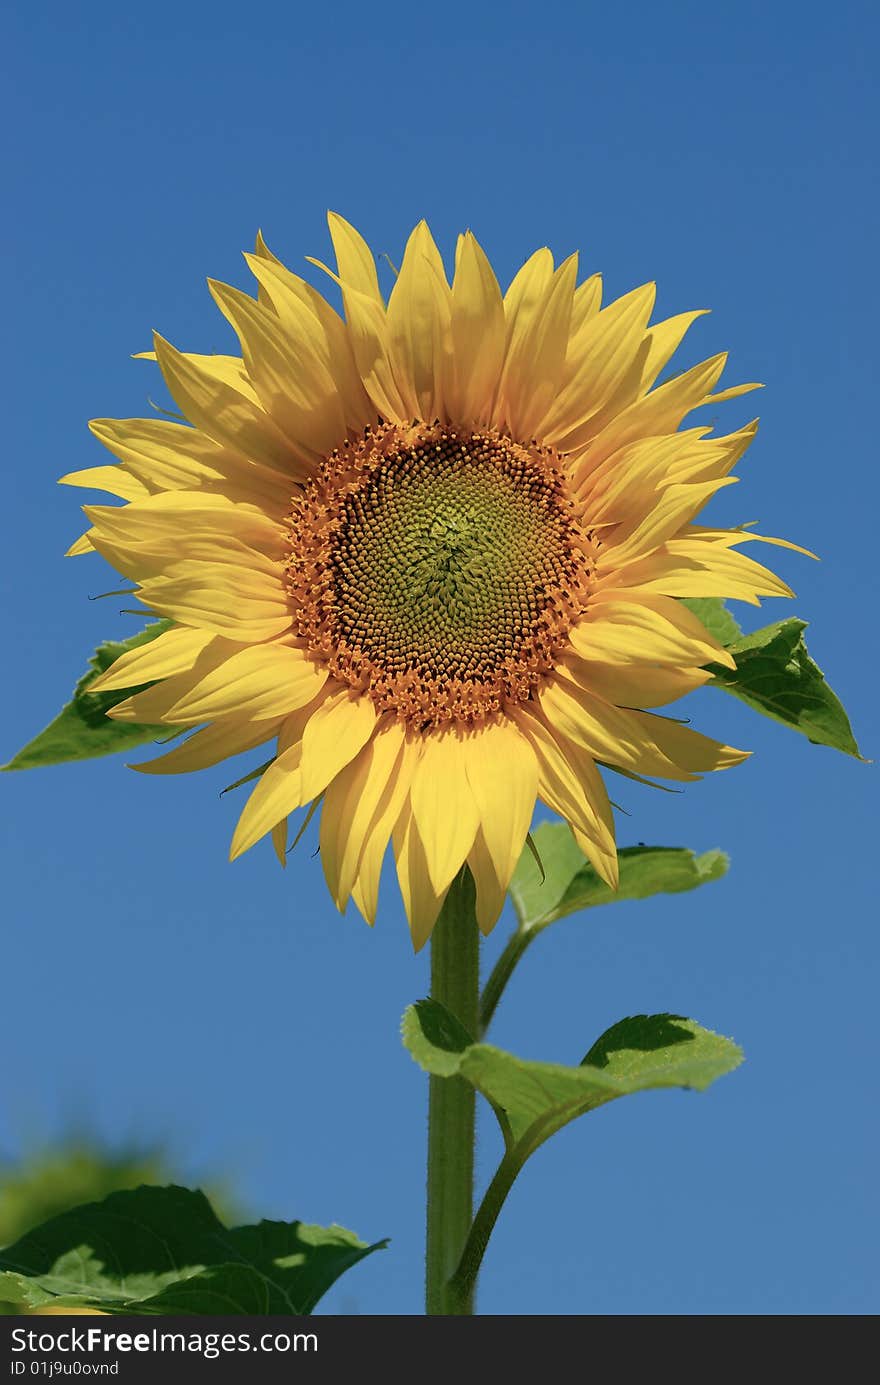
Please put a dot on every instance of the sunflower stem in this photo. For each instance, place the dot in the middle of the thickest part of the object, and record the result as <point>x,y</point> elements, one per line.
<point>465,1276</point>
<point>455,982</point>
<point>501,974</point>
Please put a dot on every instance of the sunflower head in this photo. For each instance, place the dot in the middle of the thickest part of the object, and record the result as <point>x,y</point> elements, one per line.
<point>434,550</point>
<point>437,570</point>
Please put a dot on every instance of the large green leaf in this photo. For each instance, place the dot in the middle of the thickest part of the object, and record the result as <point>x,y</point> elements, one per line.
<point>775,675</point>
<point>569,883</point>
<point>163,1250</point>
<point>82,729</point>
<point>533,1100</point>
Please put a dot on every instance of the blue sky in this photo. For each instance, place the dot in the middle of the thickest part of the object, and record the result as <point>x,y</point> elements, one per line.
<point>728,153</point>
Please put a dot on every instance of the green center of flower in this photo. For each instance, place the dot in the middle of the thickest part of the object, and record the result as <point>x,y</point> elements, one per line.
<point>438,571</point>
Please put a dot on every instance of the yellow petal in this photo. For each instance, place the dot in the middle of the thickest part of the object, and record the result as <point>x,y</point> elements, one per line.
<point>626,485</point>
<point>732,392</point>
<point>443,806</point>
<point>365,904</point>
<point>527,290</point>
<point>293,384</point>
<point>115,480</point>
<point>478,333</point>
<point>303,311</point>
<point>635,685</point>
<point>691,567</point>
<point>654,415</point>
<point>419,312</point>
<point>605,863</point>
<point>267,680</point>
<point>173,652</point>
<point>586,303</point>
<point>629,627</point>
<point>491,894</point>
<point>536,353</point>
<point>420,899</point>
<point>172,456</point>
<point>350,804</point>
<point>598,846</point>
<point>278,792</point>
<point>691,751</point>
<point>201,552</point>
<point>503,776</point>
<point>354,258</point>
<point>293,726</point>
<point>151,705</point>
<point>229,369</point>
<point>227,413</point>
<point>279,841</point>
<point>583,804</point>
<point>82,545</point>
<point>365,889</point>
<point>340,727</point>
<point>608,733</point>
<point>598,362</point>
<point>522,303</point>
<point>371,344</point>
<point>176,516</point>
<point>638,741</point>
<point>721,454</point>
<point>236,602</point>
<point>662,342</point>
<point>675,506</point>
<point>209,746</point>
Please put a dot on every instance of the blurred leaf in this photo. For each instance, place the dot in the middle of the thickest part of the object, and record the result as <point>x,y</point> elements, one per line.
<point>43,1183</point>
<point>82,728</point>
<point>163,1250</point>
<point>571,883</point>
<point>776,676</point>
<point>534,1100</point>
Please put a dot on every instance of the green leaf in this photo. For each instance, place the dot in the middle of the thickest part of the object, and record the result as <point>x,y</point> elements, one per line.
<point>533,1100</point>
<point>82,729</point>
<point>776,676</point>
<point>163,1250</point>
<point>570,882</point>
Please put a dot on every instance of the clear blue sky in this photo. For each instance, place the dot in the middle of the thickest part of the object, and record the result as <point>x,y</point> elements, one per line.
<point>727,152</point>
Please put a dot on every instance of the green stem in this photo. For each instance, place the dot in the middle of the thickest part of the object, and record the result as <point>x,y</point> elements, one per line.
<point>501,974</point>
<point>455,981</point>
<point>465,1276</point>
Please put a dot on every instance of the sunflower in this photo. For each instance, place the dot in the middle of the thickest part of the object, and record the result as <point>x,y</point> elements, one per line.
<point>435,551</point>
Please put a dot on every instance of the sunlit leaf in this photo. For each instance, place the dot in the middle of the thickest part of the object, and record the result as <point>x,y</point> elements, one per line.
<point>776,676</point>
<point>570,883</point>
<point>82,728</point>
<point>533,1100</point>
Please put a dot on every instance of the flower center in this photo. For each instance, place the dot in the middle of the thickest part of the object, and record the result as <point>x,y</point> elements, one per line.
<point>437,570</point>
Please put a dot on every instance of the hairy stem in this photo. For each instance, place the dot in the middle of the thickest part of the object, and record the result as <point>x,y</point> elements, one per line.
<point>465,1277</point>
<point>455,979</point>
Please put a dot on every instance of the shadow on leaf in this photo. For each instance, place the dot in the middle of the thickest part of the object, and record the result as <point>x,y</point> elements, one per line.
<point>643,1033</point>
